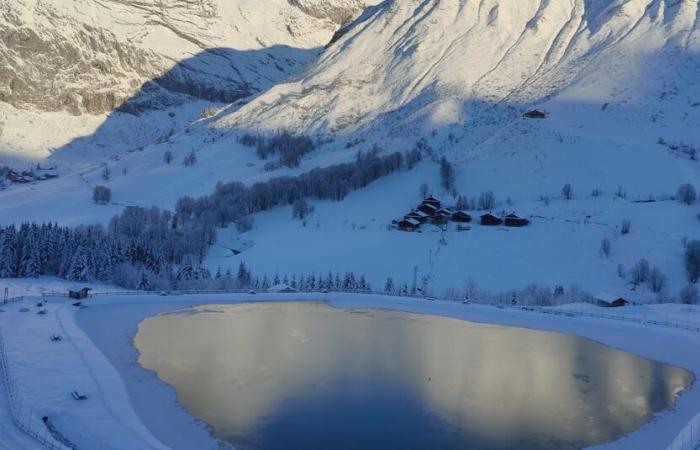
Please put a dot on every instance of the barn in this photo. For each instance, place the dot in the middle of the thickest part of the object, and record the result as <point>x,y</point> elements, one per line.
<point>513,220</point>
<point>490,220</point>
<point>461,216</point>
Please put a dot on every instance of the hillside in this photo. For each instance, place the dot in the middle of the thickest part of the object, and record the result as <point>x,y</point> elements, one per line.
<point>457,77</point>
<point>65,65</point>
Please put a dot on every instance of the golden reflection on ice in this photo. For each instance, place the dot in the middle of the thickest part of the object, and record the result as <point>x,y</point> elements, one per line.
<point>238,366</point>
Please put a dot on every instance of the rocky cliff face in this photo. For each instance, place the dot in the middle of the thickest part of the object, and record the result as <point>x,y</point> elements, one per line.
<point>91,57</point>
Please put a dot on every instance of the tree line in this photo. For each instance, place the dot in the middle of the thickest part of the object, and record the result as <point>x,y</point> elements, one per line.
<point>149,248</point>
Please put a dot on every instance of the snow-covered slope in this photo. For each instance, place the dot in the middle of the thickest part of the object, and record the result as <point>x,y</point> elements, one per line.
<point>87,56</point>
<point>67,65</point>
<point>617,78</point>
<point>437,63</point>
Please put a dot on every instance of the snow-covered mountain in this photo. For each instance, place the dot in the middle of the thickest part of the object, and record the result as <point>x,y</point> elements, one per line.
<point>617,79</point>
<point>84,56</point>
<point>436,63</point>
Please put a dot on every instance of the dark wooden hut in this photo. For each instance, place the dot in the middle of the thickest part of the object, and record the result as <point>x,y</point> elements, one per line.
<point>79,294</point>
<point>408,225</point>
<point>428,208</point>
<point>461,216</point>
<point>513,220</point>
<point>490,220</point>
<point>432,201</point>
<point>535,114</point>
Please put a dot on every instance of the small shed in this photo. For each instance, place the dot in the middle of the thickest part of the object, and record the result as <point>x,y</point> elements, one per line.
<point>535,114</point>
<point>513,220</point>
<point>461,216</point>
<point>490,220</point>
<point>428,208</point>
<point>610,301</point>
<point>408,225</point>
<point>432,201</point>
<point>80,293</point>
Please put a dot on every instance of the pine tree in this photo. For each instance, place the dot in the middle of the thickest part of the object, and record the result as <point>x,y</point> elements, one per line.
<point>79,269</point>
<point>389,286</point>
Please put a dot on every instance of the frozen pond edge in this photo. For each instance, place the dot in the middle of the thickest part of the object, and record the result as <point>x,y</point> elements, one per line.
<point>148,407</point>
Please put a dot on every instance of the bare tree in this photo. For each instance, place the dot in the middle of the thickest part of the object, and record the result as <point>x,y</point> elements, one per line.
<point>487,200</point>
<point>657,280</point>
<point>626,225</point>
<point>686,194</point>
<point>640,272</point>
<point>689,295</point>
<point>101,195</point>
<point>605,248</point>
<point>167,157</point>
<point>190,159</point>
<point>424,190</point>
<point>106,174</point>
<point>567,192</point>
<point>692,260</point>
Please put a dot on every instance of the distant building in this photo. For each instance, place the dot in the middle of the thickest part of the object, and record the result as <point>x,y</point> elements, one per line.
<point>432,201</point>
<point>79,294</point>
<point>490,220</point>
<point>514,221</point>
<point>420,216</point>
<point>461,216</point>
<point>408,225</point>
<point>610,300</point>
<point>428,208</point>
<point>282,288</point>
<point>535,114</point>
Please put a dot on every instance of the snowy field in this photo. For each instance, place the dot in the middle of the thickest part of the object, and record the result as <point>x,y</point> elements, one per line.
<point>128,407</point>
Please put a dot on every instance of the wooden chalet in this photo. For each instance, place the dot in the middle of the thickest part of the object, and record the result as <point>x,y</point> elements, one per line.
<point>513,220</point>
<point>432,201</point>
<point>461,216</point>
<point>610,301</point>
<point>490,220</point>
<point>535,114</point>
<point>428,208</point>
<point>420,216</point>
<point>408,225</point>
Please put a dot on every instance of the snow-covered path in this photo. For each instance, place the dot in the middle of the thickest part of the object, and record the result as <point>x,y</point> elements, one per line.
<point>12,437</point>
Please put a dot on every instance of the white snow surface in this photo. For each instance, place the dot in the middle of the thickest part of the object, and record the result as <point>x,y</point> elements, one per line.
<point>128,407</point>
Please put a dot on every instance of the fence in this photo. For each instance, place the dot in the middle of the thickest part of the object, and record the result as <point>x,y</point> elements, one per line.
<point>569,313</point>
<point>24,422</point>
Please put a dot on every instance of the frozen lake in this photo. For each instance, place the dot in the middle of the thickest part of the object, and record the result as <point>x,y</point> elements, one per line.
<point>308,376</point>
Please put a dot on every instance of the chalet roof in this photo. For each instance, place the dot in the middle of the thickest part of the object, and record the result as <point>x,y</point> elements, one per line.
<point>431,199</point>
<point>460,212</point>
<point>513,216</point>
<point>428,205</point>
<point>420,214</point>
<point>489,215</point>
<point>604,296</point>
<point>412,221</point>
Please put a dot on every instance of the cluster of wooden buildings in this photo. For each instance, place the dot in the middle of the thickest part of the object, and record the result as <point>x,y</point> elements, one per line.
<point>26,176</point>
<point>431,210</point>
